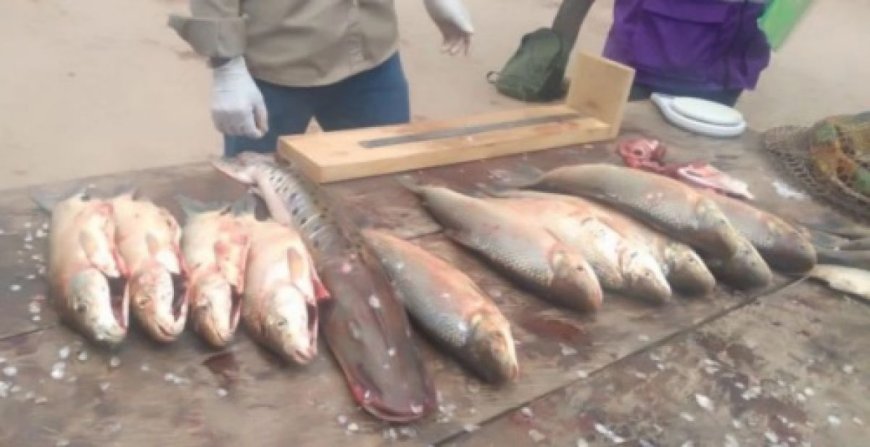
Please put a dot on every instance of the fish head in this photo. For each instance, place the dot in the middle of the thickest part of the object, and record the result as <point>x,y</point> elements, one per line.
<point>94,309</point>
<point>244,167</point>
<point>492,346</point>
<point>158,307</point>
<point>644,276</point>
<point>290,324</point>
<point>573,276</point>
<point>688,270</point>
<point>720,239</point>
<point>214,309</point>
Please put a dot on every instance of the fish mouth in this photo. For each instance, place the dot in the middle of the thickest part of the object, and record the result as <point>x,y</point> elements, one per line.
<point>120,301</point>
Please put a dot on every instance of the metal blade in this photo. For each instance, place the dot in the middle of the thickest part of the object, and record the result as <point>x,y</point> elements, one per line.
<point>465,131</point>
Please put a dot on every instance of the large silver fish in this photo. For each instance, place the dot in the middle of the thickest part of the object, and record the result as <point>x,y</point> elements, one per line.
<point>215,241</point>
<point>85,271</point>
<point>362,337</point>
<point>621,265</point>
<point>684,269</point>
<point>672,207</point>
<point>149,242</point>
<point>526,252</point>
<point>449,307</point>
<point>282,289</point>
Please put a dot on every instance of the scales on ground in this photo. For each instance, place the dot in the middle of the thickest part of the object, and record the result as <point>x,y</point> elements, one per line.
<point>700,115</point>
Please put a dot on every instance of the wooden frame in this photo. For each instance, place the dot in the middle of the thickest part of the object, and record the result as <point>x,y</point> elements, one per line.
<point>592,111</point>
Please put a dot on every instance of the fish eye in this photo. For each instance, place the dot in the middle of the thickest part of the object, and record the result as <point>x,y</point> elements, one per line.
<point>80,308</point>
<point>281,323</point>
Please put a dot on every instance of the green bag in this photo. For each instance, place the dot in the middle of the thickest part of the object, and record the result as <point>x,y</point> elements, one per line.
<point>536,71</point>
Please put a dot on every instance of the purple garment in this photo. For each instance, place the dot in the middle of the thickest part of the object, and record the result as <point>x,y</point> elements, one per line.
<point>700,44</point>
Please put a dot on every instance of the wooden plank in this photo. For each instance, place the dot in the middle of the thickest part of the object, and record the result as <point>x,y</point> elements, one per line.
<point>597,95</point>
<point>326,157</point>
<point>600,87</point>
<point>788,369</point>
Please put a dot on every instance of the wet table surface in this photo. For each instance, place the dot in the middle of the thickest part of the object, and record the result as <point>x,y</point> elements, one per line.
<point>788,365</point>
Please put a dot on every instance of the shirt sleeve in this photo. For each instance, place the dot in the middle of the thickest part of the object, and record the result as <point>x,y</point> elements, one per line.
<point>215,29</point>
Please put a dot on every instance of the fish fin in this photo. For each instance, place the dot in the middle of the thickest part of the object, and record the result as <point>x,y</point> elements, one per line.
<point>159,253</point>
<point>526,175</point>
<point>245,205</point>
<point>301,263</point>
<point>234,169</point>
<point>91,248</point>
<point>47,199</point>
<point>126,189</point>
<point>191,206</point>
<point>408,182</point>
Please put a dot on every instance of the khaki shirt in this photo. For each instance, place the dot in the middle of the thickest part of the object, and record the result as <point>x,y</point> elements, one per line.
<point>294,42</point>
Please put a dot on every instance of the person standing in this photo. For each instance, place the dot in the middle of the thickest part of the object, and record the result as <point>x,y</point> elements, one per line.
<point>276,64</point>
<point>710,49</point>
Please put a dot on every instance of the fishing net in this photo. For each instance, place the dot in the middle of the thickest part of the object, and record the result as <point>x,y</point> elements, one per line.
<point>830,159</point>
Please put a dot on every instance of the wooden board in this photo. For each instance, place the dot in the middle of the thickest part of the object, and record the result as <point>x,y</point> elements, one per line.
<point>788,369</point>
<point>598,92</point>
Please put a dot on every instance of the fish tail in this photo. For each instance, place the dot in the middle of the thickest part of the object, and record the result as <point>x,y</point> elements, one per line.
<point>408,182</point>
<point>247,204</point>
<point>191,206</point>
<point>48,199</point>
<point>524,176</point>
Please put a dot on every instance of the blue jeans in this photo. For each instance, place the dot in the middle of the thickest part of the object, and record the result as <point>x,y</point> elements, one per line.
<point>375,97</point>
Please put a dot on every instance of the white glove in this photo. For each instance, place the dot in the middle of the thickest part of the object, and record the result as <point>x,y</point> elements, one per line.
<point>237,106</point>
<point>453,20</point>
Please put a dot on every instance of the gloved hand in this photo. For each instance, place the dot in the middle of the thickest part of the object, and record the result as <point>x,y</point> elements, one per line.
<point>237,105</point>
<point>453,20</point>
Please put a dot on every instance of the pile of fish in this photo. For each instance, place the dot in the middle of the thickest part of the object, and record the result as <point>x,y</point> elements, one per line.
<point>569,237</point>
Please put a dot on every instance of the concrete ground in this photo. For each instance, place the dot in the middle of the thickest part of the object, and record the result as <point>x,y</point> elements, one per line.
<point>100,86</point>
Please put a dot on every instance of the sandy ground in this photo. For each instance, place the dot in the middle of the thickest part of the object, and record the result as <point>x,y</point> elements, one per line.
<point>100,86</point>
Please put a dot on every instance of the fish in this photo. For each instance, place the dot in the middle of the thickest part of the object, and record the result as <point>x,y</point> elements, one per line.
<point>149,241</point>
<point>449,306</point>
<point>214,243</point>
<point>684,270</point>
<point>783,246</point>
<point>620,264</point>
<point>668,205</point>
<point>529,254</point>
<point>84,271</point>
<point>745,270</point>
<point>361,338</point>
<point>847,258</point>
<point>282,291</point>
<point>844,279</point>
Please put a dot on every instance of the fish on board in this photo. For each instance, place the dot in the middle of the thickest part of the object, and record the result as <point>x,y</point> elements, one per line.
<point>621,265</point>
<point>670,206</point>
<point>149,241</point>
<point>362,338</point>
<point>683,268</point>
<point>214,242</point>
<point>85,272</point>
<point>529,254</point>
<point>449,307</point>
<point>281,293</point>
<point>782,245</point>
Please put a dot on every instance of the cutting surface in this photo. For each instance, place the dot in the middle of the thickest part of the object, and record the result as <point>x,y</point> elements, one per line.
<point>576,370</point>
